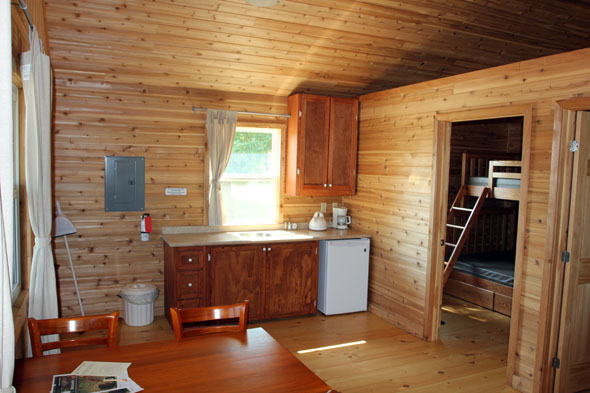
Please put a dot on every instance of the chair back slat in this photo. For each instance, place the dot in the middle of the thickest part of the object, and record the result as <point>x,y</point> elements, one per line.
<point>205,314</point>
<point>42,327</point>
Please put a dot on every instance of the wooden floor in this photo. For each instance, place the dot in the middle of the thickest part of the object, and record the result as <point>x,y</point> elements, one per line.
<point>470,357</point>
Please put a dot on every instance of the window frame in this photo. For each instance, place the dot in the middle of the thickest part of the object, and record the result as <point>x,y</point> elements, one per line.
<point>275,176</point>
<point>16,272</point>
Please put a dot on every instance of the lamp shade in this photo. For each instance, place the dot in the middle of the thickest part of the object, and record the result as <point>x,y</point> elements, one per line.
<point>62,225</point>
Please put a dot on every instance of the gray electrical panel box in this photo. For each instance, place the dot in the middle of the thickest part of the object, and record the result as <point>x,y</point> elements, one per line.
<point>124,184</point>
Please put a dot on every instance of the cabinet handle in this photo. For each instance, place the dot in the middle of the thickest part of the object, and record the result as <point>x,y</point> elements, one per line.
<point>269,249</point>
<point>190,259</point>
<point>329,185</point>
<point>190,284</point>
<point>325,185</point>
<point>264,249</point>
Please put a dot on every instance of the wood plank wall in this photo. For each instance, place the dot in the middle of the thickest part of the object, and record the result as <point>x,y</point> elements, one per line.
<point>395,174</point>
<point>97,119</point>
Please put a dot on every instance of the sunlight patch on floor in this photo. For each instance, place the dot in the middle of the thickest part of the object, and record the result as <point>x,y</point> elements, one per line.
<point>332,347</point>
<point>477,318</point>
<point>449,309</point>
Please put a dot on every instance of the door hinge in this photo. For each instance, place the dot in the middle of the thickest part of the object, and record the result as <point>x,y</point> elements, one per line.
<point>299,112</point>
<point>315,303</point>
<point>565,256</point>
<point>555,362</point>
<point>298,171</point>
<point>209,257</point>
<point>574,146</point>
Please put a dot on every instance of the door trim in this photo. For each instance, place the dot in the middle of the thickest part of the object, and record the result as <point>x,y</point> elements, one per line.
<point>557,213</point>
<point>442,126</point>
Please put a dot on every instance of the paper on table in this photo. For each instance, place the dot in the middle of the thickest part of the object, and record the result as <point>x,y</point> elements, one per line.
<point>101,368</point>
<point>126,382</point>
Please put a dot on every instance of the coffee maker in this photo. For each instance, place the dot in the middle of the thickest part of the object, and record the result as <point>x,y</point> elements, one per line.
<point>339,218</point>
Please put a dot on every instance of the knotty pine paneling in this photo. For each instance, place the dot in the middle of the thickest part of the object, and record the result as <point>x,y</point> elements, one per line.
<point>97,119</point>
<point>395,173</point>
<point>344,48</point>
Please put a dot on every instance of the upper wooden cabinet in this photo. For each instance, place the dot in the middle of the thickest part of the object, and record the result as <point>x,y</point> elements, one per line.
<point>321,145</point>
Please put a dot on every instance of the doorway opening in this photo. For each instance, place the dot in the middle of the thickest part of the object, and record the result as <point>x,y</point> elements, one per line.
<point>481,173</point>
<point>481,227</point>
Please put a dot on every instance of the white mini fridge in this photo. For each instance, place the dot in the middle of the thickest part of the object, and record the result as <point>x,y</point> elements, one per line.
<point>343,276</point>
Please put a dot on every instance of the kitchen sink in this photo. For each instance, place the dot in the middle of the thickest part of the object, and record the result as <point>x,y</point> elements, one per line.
<point>275,235</point>
<point>263,234</point>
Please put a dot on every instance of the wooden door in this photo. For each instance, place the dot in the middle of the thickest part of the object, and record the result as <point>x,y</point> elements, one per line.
<point>573,375</point>
<point>292,274</point>
<point>237,274</point>
<point>343,146</point>
<point>313,144</point>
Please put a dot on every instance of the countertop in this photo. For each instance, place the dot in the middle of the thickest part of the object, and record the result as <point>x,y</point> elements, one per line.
<point>251,237</point>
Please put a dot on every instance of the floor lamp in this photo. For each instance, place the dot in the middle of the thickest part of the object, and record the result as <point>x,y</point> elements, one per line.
<point>64,227</point>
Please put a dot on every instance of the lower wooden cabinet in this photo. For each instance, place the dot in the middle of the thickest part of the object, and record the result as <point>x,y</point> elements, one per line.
<point>185,277</point>
<point>278,280</point>
<point>292,279</point>
<point>237,274</point>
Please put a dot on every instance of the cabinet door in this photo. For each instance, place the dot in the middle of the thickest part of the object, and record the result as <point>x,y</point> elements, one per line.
<point>343,146</point>
<point>292,274</point>
<point>313,143</point>
<point>237,274</point>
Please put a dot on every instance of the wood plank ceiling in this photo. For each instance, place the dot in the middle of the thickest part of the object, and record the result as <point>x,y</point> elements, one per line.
<point>345,48</point>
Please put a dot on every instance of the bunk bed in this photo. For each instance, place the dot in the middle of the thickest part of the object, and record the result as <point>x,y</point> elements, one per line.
<point>479,263</point>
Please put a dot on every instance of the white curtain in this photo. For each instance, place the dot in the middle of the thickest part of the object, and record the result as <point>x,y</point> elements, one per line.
<point>6,320</point>
<point>36,75</point>
<point>221,129</point>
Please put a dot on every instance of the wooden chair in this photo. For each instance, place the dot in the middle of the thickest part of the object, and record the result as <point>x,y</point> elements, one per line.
<point>42,327</point>
<point>188,315</point>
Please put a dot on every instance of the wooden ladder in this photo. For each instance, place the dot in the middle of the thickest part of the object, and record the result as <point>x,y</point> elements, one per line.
<point>465,230</point>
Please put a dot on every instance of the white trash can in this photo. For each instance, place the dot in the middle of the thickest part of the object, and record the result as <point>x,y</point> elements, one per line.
<point>139,303</point>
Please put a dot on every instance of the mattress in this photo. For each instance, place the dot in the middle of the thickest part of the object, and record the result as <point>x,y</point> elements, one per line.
<point>499,182</point>
<point>496,267</point>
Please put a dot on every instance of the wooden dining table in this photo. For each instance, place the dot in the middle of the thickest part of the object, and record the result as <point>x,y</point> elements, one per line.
<point>250,361</point>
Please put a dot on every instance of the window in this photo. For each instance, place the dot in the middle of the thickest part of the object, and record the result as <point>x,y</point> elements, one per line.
<point>250,184</point>
<point>9,174</point>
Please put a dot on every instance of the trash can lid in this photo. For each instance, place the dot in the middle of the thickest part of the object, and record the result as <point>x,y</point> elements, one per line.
<point>138,289</point>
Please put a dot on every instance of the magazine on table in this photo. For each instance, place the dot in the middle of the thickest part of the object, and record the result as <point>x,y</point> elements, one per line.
<point>96,377</point>
<point>68,383</point>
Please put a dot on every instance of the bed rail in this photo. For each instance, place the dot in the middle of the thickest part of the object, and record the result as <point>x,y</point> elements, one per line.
<point>496,167</point>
